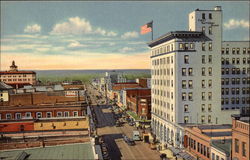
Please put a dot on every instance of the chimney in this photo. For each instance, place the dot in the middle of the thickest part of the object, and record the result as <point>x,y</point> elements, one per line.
<point>217,8</point>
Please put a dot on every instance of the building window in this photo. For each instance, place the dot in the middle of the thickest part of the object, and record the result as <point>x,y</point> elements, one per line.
<point>210,16</point>
<point>203,71</point>
<point>209,107</point>
<point>202,120</point>
<point>190,96</point>
<point>18,116</point>
<point>181,46</point>
<point>185,108</point>
<point>238,51</point>
<point>210,30</point>
<point>244,60</point>
<point>210,59</point>
<point>209,95</point>
<point>210,71</point>
<point>210,83</point>
<point>244,50</point>
<point>227,50</point>
<point>210,46</point>
<point>186,59</point>
<point>222,50</point>
<point>236,145</point>
<point>203,16</point>
<point>244,150</point>
<point>203,47</point>
<point>59,114</point>
<point>209,119</point>
<point>203,61</point>
<point>8,116</point>
<point>191,45</point>
<point>203,107</point>
<point>38,114</point>
<point>203,95</point>
<point>66,114</point>
<point>184,71</point>
<point>28,115</point>
<point>49,114</point>
<point>184,96</point>
<point>184,84</point>
<point>203,84</point>
<point>203,29</point>
<point>190,84</point>
<point>233,50</point>
<point>185,119</point>
<point>75,113</point>
<point>190,71</point>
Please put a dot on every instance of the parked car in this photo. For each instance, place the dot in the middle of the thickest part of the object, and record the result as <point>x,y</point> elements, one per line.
<point>118,124</point>
<point>128,140</point>
<point>131,123</point>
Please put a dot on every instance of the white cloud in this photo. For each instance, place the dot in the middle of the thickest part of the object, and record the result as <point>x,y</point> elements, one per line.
<point>73,25</point>
<point>126,49</point>
<point>76,26</point>
<point>234,23</point>
<point>111,34</point>
<point>128,35</point>
<point>33,29</point>
<point>75,44</point>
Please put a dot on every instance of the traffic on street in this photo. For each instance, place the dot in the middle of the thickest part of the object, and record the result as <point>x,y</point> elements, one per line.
<point>119,137</point>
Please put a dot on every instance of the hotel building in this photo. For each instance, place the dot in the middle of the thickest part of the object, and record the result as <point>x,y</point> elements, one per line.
<point>17,78</point>
<point>186,76</point>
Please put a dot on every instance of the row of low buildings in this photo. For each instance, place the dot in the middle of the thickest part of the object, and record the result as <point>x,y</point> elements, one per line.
<point>134,96</point>
<point>29,111</point>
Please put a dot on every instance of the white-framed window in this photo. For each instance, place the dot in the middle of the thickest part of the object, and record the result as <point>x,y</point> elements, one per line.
<point>28,115</point>
<point>39,114</point>
<point>18,116</point>
<point>59,114</point>
<point>66,114</point>
<point>75,113</point>
<point>49,114</point>
<point>8,116</point>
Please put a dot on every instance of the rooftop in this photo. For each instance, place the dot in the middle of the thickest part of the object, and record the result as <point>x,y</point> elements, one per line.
<point>72,151</point>
<point>223,145</point>
<point>4,86</point>
<point>185,35</point>
<point>217,134</point>
<point>17,72</point>
<point>223,126</point>
<point>242,118</point>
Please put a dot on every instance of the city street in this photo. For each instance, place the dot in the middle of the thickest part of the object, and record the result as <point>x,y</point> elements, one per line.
<point>112,135</point>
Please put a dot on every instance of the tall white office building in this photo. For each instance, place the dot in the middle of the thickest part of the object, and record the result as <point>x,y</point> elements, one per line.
<point>186,76</point>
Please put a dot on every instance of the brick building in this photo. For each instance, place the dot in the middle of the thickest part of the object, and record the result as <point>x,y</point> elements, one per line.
<point>17,78</point>
<point>240,137</point>
<point>42,111</point>
<point>198,140</point>
<point>138,100</point>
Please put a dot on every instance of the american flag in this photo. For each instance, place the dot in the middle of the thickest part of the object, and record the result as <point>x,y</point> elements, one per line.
<point>147,28</point>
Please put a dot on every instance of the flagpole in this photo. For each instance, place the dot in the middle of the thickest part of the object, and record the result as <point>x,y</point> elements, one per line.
<point>152,31</point>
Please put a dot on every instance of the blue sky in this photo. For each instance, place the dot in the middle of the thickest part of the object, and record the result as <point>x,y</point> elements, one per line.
<point>98,35</point>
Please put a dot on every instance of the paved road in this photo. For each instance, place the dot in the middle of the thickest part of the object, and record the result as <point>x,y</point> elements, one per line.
<point>112,135</point>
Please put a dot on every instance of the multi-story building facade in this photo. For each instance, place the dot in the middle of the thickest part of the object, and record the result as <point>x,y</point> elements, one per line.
<point>235,79</point>
<point>138,100</point>
<point>208,141</point>
<point>17,78</point>
<point>186,77</point>
<point>240,137</point>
